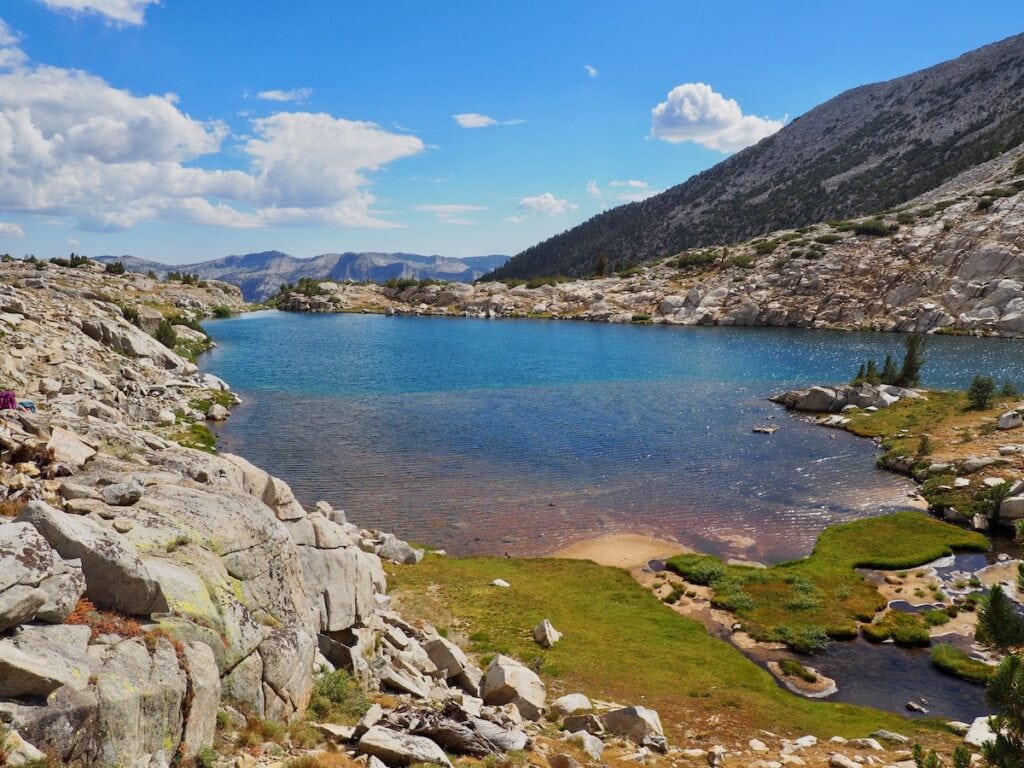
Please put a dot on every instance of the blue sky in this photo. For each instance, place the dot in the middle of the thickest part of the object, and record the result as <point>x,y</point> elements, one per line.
<point>184,130</point>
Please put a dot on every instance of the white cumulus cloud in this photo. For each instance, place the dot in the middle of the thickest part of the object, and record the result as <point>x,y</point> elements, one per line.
<point>10,54</point>
<point>7,229</point>
<point>591,71</point>
<point>298,95</point>
<point>547,203</point>
<point>476,120</point>
<point>119,11</point>
<point>73,146</point>
<point>633,183</point>
<point>696,112</point>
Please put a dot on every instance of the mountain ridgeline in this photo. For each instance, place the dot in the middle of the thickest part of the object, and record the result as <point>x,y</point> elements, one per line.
<point>259,275</point>
<point>866,150</point>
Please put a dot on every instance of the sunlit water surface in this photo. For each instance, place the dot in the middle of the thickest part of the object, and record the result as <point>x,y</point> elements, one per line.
<point>521,436</point>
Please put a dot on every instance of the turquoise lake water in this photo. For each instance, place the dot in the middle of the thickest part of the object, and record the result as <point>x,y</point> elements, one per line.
<point>492,436</point>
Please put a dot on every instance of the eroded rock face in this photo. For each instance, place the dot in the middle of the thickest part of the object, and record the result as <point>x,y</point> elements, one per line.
<point>34,581</point>
<point>115,576</point>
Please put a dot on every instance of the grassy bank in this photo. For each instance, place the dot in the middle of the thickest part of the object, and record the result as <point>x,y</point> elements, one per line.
<point>620,644</point>
<point>941,428</point>
<point>805,601</point>
<point>955,662</point>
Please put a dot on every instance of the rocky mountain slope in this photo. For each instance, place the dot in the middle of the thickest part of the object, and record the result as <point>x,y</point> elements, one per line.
<point>949,261</point>
<point>259,275</point>
<point>868,149</point>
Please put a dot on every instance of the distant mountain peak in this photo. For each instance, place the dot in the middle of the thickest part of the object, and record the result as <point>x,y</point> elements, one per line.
<point>259,275</point>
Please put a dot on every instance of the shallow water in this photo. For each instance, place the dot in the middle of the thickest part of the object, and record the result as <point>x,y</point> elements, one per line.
<point>887,676</point>
<point>521,436</point>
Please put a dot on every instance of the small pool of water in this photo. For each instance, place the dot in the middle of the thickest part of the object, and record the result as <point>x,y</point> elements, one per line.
<point>887,676</point>
<point>902,606</point>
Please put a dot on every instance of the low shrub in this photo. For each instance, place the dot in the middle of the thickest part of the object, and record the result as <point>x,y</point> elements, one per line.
<point>699,259</point>
<point>257,731</point>
<point>794,668</point>
<point>337,698</point>
<point>697,569</point>
<point>935,618</point>
<point>537,282</point>
<point>206,758</point>
<point>910,632</point>
<point>803,639</point>
<point>102,622</point>
<point>980,392</point>
<point>872,228</point>
<point>673,597</point>
<point>166,334</point>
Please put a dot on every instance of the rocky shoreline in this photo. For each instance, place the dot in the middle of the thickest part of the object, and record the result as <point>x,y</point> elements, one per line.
<point>840,406</point>
<point>948,262</point>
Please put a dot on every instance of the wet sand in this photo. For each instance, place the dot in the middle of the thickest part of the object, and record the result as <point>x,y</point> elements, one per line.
<point>621,550</point>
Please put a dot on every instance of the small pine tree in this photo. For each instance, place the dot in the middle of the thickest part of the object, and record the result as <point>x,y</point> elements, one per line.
<point>872,372</point>
<point>980,392</point>
<point>601,265</point>
<point>861,373</point>
<point>913,361</point>
<point>1009,390</point>
<point>999,625</point>
<point>922,760</point>
<point>889,372</point>
<point>961,757</point>
<point>1006,694</point>
<point>165,334</point>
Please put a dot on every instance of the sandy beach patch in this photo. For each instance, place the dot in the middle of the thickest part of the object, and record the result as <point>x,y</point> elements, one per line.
<point>621,550</point>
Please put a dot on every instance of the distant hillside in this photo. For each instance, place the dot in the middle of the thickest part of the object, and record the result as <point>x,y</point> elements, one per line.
<point>866,150</point>
<point>259,275</point>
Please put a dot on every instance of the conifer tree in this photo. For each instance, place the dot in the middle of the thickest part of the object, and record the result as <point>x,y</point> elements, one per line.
<point>872,372</point>
<point>1006,694</point>
<point>913,360</point>
<point>999,625</point>
<point>889,372</point>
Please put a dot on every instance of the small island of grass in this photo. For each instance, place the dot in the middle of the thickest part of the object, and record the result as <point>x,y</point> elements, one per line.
<point>805,602</point>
